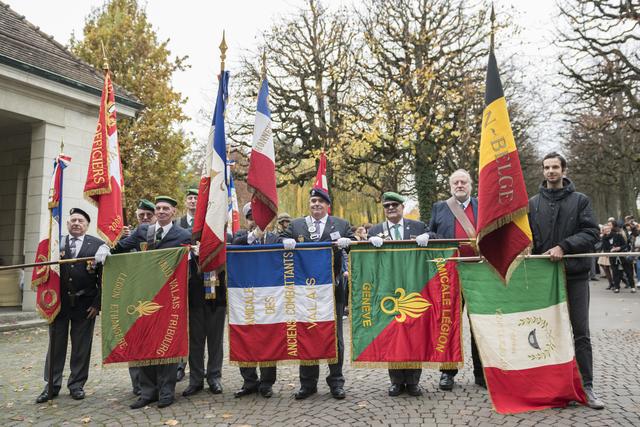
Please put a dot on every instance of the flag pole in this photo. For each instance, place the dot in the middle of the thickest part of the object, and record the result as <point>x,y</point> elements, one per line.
<point>492,17</point>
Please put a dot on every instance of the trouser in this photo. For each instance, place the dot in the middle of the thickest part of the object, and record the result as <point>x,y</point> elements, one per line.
<point>206,323</point>
<point>578,301</point>
<point>251,380</point>
<point>309,374</point>
<point>158,382</point>
<point>405,376</point>
<point>608,275</point>
<point>81,332</point>
<point>620,267</point>
<point>475,355</point>
<point>134,373</point>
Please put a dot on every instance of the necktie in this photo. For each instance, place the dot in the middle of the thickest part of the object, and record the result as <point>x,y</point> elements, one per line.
<point>159,234</point>
<point>317,223</point>
<point>72,246</point>
<point>191,222</point>
<point>396,232</point>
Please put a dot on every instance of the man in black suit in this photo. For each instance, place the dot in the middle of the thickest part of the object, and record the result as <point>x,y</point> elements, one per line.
<point>396,227</point>
<point>318,226</point>
<point>80,303</point>
<point>157,382</point>
<point>252,235</point>
<point>456,218</point>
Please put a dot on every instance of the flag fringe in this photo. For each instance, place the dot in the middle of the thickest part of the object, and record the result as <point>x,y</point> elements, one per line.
<point>89,194</point>
<point>274,363</point>
<point>49,318</point>
<point>149,362</point>
<point>264,199</point>
<point>108,241</point>
<point>407,365</point>
<point>499,222</point>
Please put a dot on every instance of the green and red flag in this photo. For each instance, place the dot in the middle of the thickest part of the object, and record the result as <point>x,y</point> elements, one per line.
<point>405,306</point>
<point>524,335</point>
<point>144,307</point>
<point>503,225</point>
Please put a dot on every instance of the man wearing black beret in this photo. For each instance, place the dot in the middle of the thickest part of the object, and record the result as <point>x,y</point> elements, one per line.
<point>319,226</point>
<point>80,303</point>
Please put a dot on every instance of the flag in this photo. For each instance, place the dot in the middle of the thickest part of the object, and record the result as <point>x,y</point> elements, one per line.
<point>281,304</point>
<point>144,307</point>
<point>209,225</point>
<point>46,279</point>
<point>503,226</point>
<point>261,177</point>
<point>233,214</point>
<point>321,175</point>
<point>405,306</point>
<point>104,185</point>
<point>524,335</point>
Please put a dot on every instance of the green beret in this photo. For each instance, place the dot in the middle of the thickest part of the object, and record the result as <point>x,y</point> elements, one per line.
<point>192,192</point>
<point>167,199</point>
<point>390,196</point>
<point>146,205</point>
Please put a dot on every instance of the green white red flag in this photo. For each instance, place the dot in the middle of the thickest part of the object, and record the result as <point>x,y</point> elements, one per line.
<point>144,307</point>
<point>405,306</point>
<point>524,335</point>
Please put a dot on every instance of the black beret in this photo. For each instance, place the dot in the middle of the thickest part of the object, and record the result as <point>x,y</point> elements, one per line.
<point>80,212</point>
<point>319,192</point>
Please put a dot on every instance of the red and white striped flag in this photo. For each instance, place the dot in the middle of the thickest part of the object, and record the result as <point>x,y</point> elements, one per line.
<point>105,185</point>
<point>262,165</point>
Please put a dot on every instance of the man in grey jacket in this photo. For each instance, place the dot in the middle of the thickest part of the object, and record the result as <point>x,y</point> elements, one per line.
<point>562,222</point>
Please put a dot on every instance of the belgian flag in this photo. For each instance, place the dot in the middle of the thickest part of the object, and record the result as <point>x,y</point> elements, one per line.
<point>503,225</point>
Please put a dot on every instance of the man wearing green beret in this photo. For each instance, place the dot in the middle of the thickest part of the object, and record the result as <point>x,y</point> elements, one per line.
<point>157,382</point>
<point>397,227</point>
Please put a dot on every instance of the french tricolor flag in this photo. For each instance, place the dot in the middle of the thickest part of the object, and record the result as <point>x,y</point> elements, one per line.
<point>209,225</point>
<point>262,165</point>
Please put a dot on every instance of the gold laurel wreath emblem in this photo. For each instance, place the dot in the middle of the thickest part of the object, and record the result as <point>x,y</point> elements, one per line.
<point>413,305</point>
<point>144,308</point>
<point>52,301</point>
<point>43,268</point>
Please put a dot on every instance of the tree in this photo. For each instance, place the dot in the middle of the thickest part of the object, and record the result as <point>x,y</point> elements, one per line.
<point>152,146</point>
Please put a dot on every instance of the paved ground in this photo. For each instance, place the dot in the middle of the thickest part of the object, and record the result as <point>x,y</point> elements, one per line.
<point>615,334</point>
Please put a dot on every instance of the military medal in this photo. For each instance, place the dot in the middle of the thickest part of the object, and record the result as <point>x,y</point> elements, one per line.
<point>312,229</point>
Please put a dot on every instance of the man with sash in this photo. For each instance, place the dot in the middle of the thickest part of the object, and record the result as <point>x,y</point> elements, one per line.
<point>455,218</point>
<point>396,227</point>
<point>157,382</point>
<point>251,383</point>
<point>318,226</point>
<point>186,222</point>
<point>80,303</point>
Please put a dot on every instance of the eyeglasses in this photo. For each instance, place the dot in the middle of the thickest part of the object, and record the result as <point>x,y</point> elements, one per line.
<point>390,205</point>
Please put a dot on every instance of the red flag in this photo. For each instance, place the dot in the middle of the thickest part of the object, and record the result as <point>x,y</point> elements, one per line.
<point>104,185</point>
<point>46,279</point>
<point>262,165</point>
<point>321,176</point>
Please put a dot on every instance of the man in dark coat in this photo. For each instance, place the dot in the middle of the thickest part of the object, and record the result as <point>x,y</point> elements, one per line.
<point>157,382</point>
<point>319,226</point>
<point>562,222</point>
<point>396,227</point>
<point>252,235</point>
<point>79,305</point>
<point>460,224</point>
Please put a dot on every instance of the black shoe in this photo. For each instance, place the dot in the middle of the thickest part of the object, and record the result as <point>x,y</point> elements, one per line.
<point>446,381</point>
<point>164,403</point>
<point>609,288</point>
<point>396,390</point>
<point>245,391</point>
<point>215,388</point>
<point>191,390</point>
<point>136,392</point>
<point>304,392</point>
<point>414,389</point>
<point>44,396</point>
<point>481,381</point>
<point>266,392</point>
<point>338,393</point>
<point>616,291</point>
<point>140,403</point>
<point>180,374</point>
<point>77,394</point>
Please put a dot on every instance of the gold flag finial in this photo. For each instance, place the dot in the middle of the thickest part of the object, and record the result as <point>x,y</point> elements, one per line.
<point>493,26</point>
<point>105,62</point>
<point>223,52</point>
